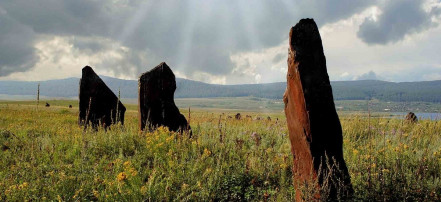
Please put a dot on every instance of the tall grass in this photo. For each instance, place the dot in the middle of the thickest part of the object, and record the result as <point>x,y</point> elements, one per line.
<point>49,157</point>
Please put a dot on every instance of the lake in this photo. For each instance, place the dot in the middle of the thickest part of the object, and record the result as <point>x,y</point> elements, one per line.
<point>420,115</point>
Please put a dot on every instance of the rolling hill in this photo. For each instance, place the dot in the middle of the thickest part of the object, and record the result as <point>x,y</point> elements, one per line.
<point>425,91</point>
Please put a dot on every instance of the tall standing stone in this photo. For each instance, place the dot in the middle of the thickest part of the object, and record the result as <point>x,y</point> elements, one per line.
<point>314,127</point>
<point>156,103</point>
<point>98,104</point>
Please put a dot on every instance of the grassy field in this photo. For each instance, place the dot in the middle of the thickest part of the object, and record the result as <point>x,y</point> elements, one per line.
<point>45,155</point>
<point>261,105</point>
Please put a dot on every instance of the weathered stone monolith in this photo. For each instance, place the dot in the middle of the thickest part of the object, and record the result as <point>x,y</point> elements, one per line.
<point>314,127</point>
<point>411,117</point>
<point>156,103</point>
<point>238,116</point>
<point>98,104</point>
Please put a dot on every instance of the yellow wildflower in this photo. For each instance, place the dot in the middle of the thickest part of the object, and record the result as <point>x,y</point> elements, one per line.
<point>208,171</point>
<point>127,164</point>
<point>207,152</point>
<point>77,193</point>
<point>169,138</point>
<point>269,150</point>
<point>121,176</point>
<point>355,151</point>
<point>50,173</point>
<point>96,193</point>
<point>283,166</point>
<point>381,150</point>
<point>22,186</point>
<point>143,190</point>
<point>117,161</point>
<point>133,172</point>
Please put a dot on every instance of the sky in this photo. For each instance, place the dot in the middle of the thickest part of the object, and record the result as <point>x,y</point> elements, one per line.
<point>217,41</point>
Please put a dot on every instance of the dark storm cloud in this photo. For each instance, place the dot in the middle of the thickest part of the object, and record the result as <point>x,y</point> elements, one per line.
<point>60,17</point>
<point>398,18</point>
<point>190,35</point>
<point>331,10</point>
<point>16,51</point>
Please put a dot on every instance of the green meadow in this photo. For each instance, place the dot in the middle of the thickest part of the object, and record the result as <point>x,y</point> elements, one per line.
<point>46,156</point>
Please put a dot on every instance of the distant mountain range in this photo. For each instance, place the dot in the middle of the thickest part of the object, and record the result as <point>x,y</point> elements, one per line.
<point>426,91</point>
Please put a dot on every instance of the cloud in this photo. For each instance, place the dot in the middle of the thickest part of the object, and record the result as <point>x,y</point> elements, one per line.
<point>417,73</point>
<point>344,76</point>
<point>435,76</point>
<point>279,58</point>
<point>412,59</point>
<point>398,18</point>
<point>371,75</point>
<point>194,37</point>
<point>262,66</point>
<point>59,58</point>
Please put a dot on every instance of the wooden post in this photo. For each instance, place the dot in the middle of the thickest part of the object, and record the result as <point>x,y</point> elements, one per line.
<point>38,95</point>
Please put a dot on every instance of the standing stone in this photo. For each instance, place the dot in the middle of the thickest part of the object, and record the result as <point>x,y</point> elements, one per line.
<point>238,116</point>
<point>314,127</point>
<point>411,117</point>
<point>98,104</point>
<point>156,103</point>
